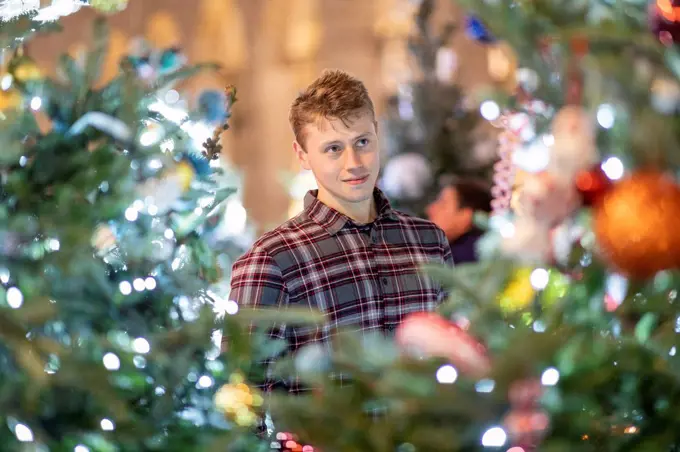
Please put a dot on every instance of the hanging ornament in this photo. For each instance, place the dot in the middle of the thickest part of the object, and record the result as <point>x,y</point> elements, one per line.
<point>592,185</point>
<point>635,224</point>
<point>477,31</point>
<point>527,79</point>
<point>665,95</point>
<point>212,106</point>
<point>109,6</point>
<point>169,60</point>
<point>526,423</point>
<point>10,99</point>
<point>103,239</point>
<point>169,188</point>
<point>664,20</point>
<point>502,63</point>
<point>24,69</point>
<point>573,148</point>
<point>520,292</point>
<point>237,401</point>
<point>429,334</point>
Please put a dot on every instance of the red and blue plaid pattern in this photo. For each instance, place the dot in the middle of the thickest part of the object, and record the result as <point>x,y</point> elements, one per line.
<point>362,277</point>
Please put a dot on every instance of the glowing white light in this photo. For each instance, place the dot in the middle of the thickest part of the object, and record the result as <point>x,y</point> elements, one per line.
<point>153,210</point>
<point>485,386</point>
<point>36,103</point>
<point>507,230</point>
<point>539,278</point>
<point>533,157</point>
<point>138,284</point>
<point>539,326</point>
<point>125,288</point>
<point>489,110</point>
<point>131,214</point>
<point>139,362</point>
<point>6,82</point>
<point>81,448</point>
<point>150,283</point>
<point>141,345</point>
<point>548,139</point>
<point>159,391</point>
<point>613,168</point>
<point>672,352</point>
<point>168,234</point>
<point>57,9</point>
<point>606,115</point>
<point>107,425</point>
<point>111,361</point>
<point>447,374</point>
<point>149,137</point>
<point>172,96</point>
<point>236,217</point>
<point>53,244</point>
<point>198,211</point>
<point>176,115</point>
<point>14,298</point>
<point>494,437</point>
<point>4,275</point>
<point>155,164</point>
<point>23,433</point>
<point>231,307</point>
<point>138,204</point>
<point>550,376</point>
<point>167,146</point>
<point>205,381</point>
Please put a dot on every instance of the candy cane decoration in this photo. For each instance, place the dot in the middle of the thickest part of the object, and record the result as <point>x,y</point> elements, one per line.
<point>508,140</point>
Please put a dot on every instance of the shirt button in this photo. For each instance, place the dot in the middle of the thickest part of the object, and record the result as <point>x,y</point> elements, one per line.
<point>385,281</point>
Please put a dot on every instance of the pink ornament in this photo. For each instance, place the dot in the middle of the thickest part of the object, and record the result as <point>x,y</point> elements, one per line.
<point>432,335</point>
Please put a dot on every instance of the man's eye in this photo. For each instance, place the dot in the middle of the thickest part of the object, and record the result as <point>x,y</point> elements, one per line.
<point>363,142</point>
<point>333,149</point>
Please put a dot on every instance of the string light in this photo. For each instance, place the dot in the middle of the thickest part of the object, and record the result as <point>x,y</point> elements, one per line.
<point>107,425</point>
<point>494,437</point>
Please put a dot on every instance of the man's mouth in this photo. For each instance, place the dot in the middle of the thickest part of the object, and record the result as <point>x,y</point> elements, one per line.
<point>357,180</point>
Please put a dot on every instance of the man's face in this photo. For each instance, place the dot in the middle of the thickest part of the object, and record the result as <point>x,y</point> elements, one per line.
<point>446,213</point>
<point>343,157</point>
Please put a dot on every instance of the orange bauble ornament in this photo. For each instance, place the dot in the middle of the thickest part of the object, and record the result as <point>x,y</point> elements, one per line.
<point>636,224</point>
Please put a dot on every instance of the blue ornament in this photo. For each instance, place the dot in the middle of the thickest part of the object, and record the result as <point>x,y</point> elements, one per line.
<point>477,31</point>
<point>198,162</point>
<point>212,106</point>
<point>170,59</point>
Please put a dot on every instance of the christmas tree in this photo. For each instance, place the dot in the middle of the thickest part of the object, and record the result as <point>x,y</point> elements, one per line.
<point>565,337</point>
<point>112,299</point>
<point>428,130</point>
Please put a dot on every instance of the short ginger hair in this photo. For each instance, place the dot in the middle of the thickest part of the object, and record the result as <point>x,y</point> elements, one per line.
<point>334,95</point>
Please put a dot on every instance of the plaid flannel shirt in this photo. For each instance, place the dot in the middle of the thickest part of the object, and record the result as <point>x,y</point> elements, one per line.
<point>361,277</point>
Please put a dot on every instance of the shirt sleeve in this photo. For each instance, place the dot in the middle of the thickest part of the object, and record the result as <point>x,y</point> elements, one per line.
<point>447,256</point>
<point>257,282</point>
<point>447,259</point>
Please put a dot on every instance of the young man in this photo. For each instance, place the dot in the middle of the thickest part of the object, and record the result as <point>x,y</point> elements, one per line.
<point>453,212</point>
<point>348,254</point>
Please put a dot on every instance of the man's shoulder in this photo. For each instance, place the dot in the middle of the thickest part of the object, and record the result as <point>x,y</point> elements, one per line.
<point>285,236</point>
<point>416,223</point>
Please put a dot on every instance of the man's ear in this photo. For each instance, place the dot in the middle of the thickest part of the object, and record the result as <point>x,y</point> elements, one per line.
<point>302,155</point>
<point>467,216</point>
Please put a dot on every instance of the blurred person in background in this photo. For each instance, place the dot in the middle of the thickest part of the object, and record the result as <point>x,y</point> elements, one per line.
<point>453,211</point>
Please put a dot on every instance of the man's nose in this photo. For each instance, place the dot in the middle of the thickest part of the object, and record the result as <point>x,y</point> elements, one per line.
<point>352,159</point>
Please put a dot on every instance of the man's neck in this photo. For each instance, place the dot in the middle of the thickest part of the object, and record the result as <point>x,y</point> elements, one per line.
<point>360,212</point>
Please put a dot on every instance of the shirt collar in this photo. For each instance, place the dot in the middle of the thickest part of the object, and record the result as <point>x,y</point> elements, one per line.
<point>332,220</point>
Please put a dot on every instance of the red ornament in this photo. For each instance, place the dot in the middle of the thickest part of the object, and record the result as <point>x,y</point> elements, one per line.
<point>432,335</point>
<point>526,423</point>
<point>592,185</point>
<point>664,20</point>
